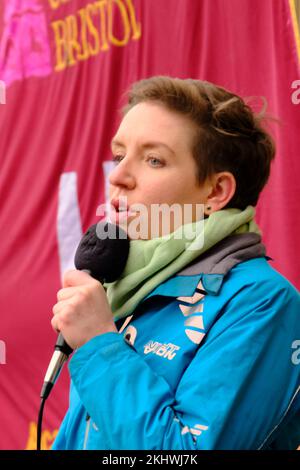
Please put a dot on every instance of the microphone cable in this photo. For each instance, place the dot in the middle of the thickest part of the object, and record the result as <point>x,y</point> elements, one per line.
<point>39,424</point>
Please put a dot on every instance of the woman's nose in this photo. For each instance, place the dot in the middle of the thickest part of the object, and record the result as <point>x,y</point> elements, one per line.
<point>122,175</point>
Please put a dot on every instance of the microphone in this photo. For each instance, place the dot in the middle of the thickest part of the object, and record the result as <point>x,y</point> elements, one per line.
<point>102,253</point>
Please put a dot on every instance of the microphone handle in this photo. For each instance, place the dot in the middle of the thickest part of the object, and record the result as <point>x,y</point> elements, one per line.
<point>55,365</point>
<point>60,355</point>
<point>62,346</point>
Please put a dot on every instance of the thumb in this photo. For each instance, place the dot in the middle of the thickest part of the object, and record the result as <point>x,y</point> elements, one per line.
<point>76,277</point>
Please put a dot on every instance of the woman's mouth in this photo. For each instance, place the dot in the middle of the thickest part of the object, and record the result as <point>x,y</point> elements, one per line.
<point>120,210</point>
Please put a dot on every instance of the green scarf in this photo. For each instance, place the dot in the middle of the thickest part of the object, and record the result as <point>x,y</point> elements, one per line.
<point>151,262</point>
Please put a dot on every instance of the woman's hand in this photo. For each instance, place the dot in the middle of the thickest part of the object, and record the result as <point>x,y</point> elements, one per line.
<point>82,310</point>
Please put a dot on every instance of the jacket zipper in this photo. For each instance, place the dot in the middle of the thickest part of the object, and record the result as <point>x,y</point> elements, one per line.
<point>87,430</point>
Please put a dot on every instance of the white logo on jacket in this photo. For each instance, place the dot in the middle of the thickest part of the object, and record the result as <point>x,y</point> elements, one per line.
<point>167,351</point>
<point>194,325</point>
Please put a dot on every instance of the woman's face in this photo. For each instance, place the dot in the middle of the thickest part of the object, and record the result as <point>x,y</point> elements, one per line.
<point>154,165</point>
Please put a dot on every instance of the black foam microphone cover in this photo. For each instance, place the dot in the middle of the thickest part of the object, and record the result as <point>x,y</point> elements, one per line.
<point>103,251</point>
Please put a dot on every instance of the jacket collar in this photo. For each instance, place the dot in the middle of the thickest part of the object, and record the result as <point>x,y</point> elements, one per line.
<point>212,266</point>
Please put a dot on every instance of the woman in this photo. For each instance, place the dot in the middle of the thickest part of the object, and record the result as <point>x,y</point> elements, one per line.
<point>204,358</point>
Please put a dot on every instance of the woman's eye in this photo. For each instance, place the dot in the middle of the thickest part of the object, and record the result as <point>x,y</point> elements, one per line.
<point>155,162</point>
<point>117,158</point>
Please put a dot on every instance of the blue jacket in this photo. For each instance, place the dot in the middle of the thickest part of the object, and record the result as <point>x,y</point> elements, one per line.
<point>210,360</point>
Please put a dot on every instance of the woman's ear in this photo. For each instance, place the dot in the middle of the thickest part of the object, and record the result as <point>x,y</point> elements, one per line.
<point>223,186</point>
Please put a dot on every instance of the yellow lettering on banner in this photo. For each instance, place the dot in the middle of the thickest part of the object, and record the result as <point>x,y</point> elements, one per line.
<point>60,36</point>
<point>91,30</point>
<point>57,3</point>
<point>72,40</point>
<point>101,6</point>
<point>137,30</point>
<point>85,54</point>
<point>91,9</point>
<point>125,20</point>
<point>47,437</point>
<point>54,4</point>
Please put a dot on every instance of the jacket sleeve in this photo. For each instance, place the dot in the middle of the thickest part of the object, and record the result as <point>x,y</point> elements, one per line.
<point>231,396</point>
